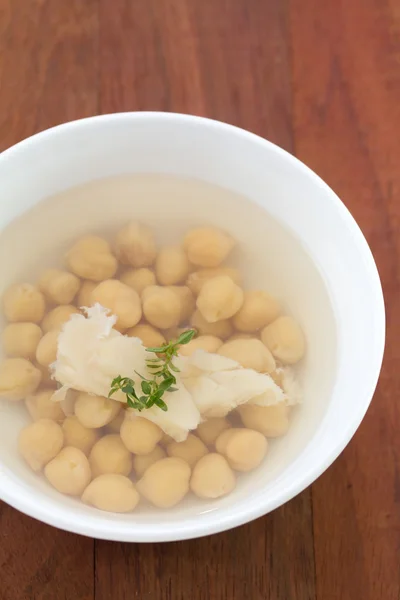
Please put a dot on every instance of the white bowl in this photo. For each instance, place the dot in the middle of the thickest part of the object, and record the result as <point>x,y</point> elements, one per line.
<point>319,264</point>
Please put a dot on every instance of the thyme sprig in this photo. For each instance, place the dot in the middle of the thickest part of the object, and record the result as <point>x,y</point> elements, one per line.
<point>163,378</point>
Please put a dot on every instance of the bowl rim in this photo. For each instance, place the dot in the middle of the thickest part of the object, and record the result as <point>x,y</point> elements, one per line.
<point>223,519</point>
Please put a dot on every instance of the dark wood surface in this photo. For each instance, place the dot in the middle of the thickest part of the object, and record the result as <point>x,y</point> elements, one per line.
<point>322,79</point>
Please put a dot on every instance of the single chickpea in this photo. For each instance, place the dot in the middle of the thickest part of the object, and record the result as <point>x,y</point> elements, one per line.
<point>207,246</point>
<point>46,352</point>
<point>271,421</point>
<point>196,280</point>
<point>166,482</point>
<point>23,303</point>
<point>79,436</point>
<point>190,450</point>
<point>244,449</point>
<point>122,301</point>
<point>39,442</point>
<point>172,265</point>
<point>20,340</point>
<point>258,309</point>
<point>251,354</point>
<point>140,435</point>
<point>219,299</point>
<point>139,279</point>
<point>221,329</point>
<point>209,430</point>
<point>91,258</point>
<point>85,293</point>
<point>150,336</point>
<point>110,455</point>
<point>187,300</point>
<point>161,307</point>
<point>18,378</point>
<point>135,245</point>
<point>56,318</point>
<point>208,343</point>
<point>111,493</point>
<point>212,477</point>
<point>41,406</point>
<point>285,340</point>
<point>69,472</point>
<point>95,411</point>
<point>59,287</point>
<point>114,426</point>
<point>142,462</point>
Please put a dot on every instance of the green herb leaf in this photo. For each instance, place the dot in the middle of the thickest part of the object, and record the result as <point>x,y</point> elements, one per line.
<point>163,378</point>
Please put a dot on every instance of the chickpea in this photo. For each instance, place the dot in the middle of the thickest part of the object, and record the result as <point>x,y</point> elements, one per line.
<point>112,493</point>
<point>39,442</point>
<point>208,343</point>
<point>161,307</point>
<point>220,298</point>
<point>196,280</point>
<point>222,440</point>
<point>91,258</point>
<point>244,449</point>
<point>258,309</point>
<point>69,472</point>
<point>46,352</point>
<point>139,279</point>
<point>212,477</point>
<point>221,329</point>
<point>114,426</point>
<point>110,455</point>
<point>209,430</point>
<point>135,245</point>
<point>56,318</point>
<point>59,287</point>
<point>79,436</point>
<point>172,265</point>
<point>41,406</point>
<point>18,378</point>
<point>166,482</point>
<point>190,450</point>
<point>140,435</point>
<point>250,354</point>
<point>285,340</point>
<point>151,337</point>
<point>143,461</point>
<point>186,298</point>
<point>85,293</point>
<point>207,246</point>
<point>23,303</point>
<point>271,421</point>
<point>94,412</point>
<point>122,301</point>
<point>20,340</point>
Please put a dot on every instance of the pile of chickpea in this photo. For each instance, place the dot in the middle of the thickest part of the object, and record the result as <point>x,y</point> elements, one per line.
<point>99,452</point>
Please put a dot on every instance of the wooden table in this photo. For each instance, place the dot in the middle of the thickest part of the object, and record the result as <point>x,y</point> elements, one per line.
<point>322,79</point>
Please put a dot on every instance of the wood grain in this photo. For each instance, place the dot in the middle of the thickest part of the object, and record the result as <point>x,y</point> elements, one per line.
<point>318,78</point>
<point>346,74</point>
<point>48,75</point>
